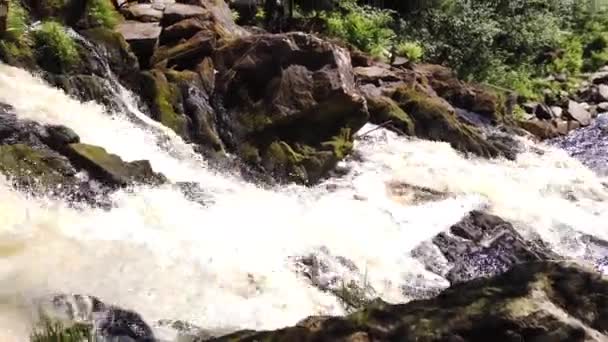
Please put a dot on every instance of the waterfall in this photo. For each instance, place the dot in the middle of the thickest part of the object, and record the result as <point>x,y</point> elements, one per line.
<point>229,264</point>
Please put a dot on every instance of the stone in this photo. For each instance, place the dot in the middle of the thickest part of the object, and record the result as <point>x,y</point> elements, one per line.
<point>434,119</point>
<point>58,135</point>
<point>563,127</point>
<point>375,74</point>
<point>557,111</point>
<point>177,12</point>
<point>184,29</point>
<point>537,301</point>
<point>543,112</point>
<point>142,12</point>
<point>577,112</point>
<point>484,245</point>
<point>529,107</point>
<point>602,91</point>
<point>600,77</point>
<point>602,107</point>
<point>542,129</point>
<point>186,55</point>
<point>109,168</point>
<point>142,37</point>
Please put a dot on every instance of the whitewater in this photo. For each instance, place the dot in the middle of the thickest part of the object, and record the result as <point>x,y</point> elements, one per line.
<point>227,263</point>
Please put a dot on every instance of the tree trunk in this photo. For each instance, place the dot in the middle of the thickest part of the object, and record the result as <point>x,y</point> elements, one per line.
<point>3,15</point>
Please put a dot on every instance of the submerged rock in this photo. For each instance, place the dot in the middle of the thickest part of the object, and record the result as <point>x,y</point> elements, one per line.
<point>541,301</point>
<point>480,245</point>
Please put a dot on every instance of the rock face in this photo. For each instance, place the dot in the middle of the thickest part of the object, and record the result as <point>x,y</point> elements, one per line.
<point>541,301</point>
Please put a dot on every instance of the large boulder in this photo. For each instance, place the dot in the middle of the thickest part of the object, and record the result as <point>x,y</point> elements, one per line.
<point>542,301</point>
<point>143,38</point>
<point>291,103</point>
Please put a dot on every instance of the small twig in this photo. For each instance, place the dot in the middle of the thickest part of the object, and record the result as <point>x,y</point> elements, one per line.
<point>382,125</point>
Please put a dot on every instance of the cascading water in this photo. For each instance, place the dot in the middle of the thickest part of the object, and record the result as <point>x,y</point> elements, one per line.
<point>229,264</point>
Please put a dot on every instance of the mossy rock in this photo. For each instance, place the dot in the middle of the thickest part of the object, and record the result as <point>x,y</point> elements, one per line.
<point>109,168</point>
<point>121,58</point>
<point>35,169</point>
<point>300,163</point>
<point>435,120</point>
<point>165,100</point>
<point>383,109</point>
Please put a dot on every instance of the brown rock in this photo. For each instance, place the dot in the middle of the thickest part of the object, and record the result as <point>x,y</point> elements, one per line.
<point>186,55</point>
<point>142,12</point>
<point>177,12</point>
<point>142,37</point>
<point>541,128</point>
<point>184,29</point>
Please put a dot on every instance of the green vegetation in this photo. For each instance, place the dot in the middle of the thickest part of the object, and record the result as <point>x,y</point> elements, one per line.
<point>54,45</point>
<point>54,332</point>
<point>511,44</point>
<point>365,27</point>
<point>102,13</point>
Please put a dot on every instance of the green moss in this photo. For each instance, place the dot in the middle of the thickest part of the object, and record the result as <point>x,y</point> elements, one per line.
<point>30,167</point>
<point>164,97</point>
<point>102,13</point>
<point>55,332</point>
<point>255,121</point>
<point>341,145</point>
<point>55,48</point>
<point>383,109</point>
<point>249,153</point>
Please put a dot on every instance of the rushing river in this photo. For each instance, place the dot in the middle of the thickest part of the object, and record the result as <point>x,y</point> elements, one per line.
<point>228,263</point>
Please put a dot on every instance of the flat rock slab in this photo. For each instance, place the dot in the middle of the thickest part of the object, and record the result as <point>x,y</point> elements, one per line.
<point>577,112</point>
<point>143,12</point>
<point>178,12</point>
<point>137,31</point>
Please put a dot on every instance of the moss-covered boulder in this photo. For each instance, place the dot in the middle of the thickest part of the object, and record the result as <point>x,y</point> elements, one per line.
<point>34,168</point>
<point>293,99</point>
<point>434,119</point>
<point>543,301</point>
<point>110,169</point>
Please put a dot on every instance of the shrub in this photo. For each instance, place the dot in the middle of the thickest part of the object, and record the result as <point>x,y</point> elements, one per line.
<point>16,20</point>
<point>365,27</point>
<point>55,47</point>
<point>412,50</point>
<point>102,13</point>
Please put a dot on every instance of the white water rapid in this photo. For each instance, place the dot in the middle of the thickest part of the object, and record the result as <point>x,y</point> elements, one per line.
<point>229,264</point>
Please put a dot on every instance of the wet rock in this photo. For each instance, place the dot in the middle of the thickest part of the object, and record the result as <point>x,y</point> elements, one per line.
<point>577,112</point>
<point>543,301</point>
<point>108,323</point>
<point>483,245</point>
<point>109,168</point>
<point>142,37</point>
<point>408,194</point>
